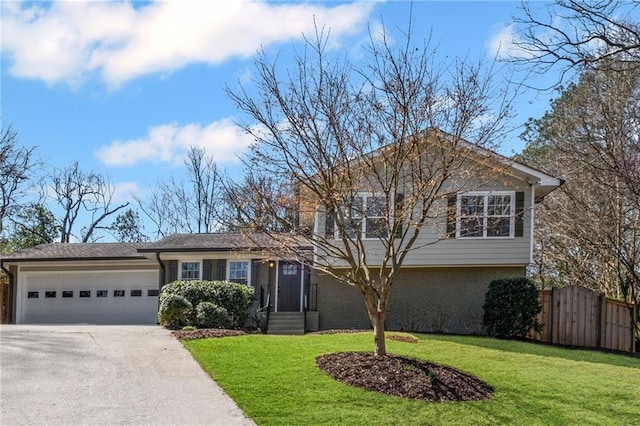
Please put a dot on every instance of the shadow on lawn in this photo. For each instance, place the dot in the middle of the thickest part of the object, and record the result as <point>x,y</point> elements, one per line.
<point>539,349</point>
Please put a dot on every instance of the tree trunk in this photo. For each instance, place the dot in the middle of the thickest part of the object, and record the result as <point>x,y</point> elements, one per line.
<point>377,313</point>
<point>379,342</point>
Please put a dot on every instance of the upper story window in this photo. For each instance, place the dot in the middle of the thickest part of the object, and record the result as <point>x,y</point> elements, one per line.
<point>239,272</point>
<point>367,216</point>
<point>190,270</point>
<point>486,215</point>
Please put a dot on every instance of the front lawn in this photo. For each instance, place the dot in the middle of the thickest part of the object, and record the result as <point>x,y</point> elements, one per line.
<point>275,380</point>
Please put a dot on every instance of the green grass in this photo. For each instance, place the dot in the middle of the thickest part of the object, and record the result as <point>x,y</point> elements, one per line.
<point>275,381</point>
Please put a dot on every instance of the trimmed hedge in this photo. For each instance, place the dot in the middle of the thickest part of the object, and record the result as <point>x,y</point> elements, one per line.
<point>210,315</point>
<point>174,311</point>
<point>234,298</point>
<point>510,308</point>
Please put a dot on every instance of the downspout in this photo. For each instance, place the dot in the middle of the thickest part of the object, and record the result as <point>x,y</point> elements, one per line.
<point>10,309</point>
<point>531,225</point>
<point>162,271</point>
<point>161,278</point>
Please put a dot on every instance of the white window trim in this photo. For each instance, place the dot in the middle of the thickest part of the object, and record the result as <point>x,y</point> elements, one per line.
<point>485,194</point>
<point>363,222</point>
<point>181,278</point>
<point>228,270</point>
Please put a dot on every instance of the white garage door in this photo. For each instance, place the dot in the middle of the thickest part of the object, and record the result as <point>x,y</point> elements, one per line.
<point>97,297</point>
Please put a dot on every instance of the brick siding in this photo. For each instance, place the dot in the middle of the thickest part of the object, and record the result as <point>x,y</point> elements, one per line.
<point>434,300</point>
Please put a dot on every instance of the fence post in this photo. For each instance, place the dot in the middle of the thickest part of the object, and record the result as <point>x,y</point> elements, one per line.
<point>552,315</point>
<point>602,319</point>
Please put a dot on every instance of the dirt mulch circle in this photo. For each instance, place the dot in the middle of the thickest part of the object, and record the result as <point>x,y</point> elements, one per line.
<point>402,338</point>
<point>405,377</point>
<point>205,333</point>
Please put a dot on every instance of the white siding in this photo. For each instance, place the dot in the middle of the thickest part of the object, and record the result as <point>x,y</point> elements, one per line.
<point>432,250</point>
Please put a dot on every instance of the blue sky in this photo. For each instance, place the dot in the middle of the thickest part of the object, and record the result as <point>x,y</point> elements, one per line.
<point>124,88</point>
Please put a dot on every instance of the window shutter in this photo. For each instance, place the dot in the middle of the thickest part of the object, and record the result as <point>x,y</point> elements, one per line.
<point>255,273</point>
<point>451,216</point>
<point>330,224</point>
<point>519,225</point>
<point>207,269</point>
<point>221,270</point>
<point>398,208</point>
<point>173,271</point>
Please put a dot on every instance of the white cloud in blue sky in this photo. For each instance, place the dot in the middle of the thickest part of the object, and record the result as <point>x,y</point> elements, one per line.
<point>65,42</point>
<point>126,87</point>
<point>168,143</point>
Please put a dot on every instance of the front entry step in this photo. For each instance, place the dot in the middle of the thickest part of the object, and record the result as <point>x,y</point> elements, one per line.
<point>286,323</point>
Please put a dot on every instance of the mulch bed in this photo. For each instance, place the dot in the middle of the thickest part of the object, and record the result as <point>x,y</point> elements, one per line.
<point>404,377</point>
<point>403,338</point>
<point>205,333</point>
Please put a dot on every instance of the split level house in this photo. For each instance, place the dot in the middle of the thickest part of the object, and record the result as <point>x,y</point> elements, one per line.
<point>487,226</point>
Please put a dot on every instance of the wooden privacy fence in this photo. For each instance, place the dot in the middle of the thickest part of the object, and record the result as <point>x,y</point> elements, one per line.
<point>578,316</point>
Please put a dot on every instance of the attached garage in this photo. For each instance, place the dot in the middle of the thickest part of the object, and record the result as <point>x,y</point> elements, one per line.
<point>96,297</point>
<point>99,283</point>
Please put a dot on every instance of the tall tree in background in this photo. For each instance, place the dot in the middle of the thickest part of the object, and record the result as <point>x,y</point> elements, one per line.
<point>335,130</point>
<point>128,228</point>
<point>17,165</point>
<point>248,204</point>
<point>87,196</point>
<point>575,35</point>
<point>31,225</point>
<point>589,234</point>
<point>190,206</point>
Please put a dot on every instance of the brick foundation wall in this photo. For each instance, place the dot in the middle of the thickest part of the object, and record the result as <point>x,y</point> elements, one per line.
<point>433,300</point>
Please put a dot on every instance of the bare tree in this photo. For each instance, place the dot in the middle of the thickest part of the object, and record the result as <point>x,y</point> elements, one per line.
<point>17,165</point>
<point>192,206</point>
<point>363,146</point>
<point>260,202</point>
<point>82,195</point>
<point>590,232</point>
<point>574,35</point>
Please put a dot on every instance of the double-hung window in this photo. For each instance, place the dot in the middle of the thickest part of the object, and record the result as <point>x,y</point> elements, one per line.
<point>239,272</point>
<point>367,216</point>
<point>486,215</point>
<point>190,270</point>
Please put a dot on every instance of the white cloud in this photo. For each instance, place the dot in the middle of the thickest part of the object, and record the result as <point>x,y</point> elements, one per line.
<point>168,143</point>
<point>504,44</point>
<point>122,191</point>
<point>120,41</point>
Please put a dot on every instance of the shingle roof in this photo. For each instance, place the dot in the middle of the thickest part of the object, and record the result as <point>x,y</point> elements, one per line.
<point>78,251</point>
<point>220,242</point>
<point>134,251</point>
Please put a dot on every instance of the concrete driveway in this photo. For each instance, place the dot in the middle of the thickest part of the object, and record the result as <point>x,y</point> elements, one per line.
<point>78,375</point>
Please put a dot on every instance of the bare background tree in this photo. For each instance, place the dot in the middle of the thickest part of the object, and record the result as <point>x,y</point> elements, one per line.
<point>574,35</point>
<point>335,130</point>
<point>17,165</point>
<point>191,206</point>
<point>82,194</point>
<point>260,202</point>
<point>589,232</point>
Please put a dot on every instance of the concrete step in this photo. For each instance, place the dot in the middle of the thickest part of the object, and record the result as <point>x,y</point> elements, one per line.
<point>286,323</point>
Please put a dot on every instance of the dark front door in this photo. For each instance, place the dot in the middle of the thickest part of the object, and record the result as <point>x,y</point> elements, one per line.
<point>288,287</point>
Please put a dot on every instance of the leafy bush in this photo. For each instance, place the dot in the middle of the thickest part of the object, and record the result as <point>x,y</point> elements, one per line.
<point>510,307</point>
<point>232,297</point>
<point>210,315</point>
<point>175,311</point>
